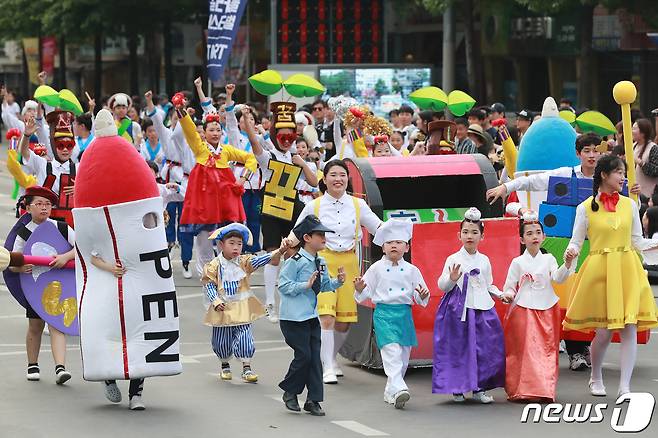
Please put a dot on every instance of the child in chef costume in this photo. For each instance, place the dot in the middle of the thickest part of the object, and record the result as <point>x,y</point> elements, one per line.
<point>393,285</point>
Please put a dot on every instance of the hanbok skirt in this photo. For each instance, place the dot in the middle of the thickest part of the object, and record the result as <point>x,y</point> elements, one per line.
<point>468,355</point>
<point>212,197</point>
<point>532,344</point>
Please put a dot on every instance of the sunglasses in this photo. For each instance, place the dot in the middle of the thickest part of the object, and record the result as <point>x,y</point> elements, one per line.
<point>62,146</point>
<point>286,138</point>
<point>318,108</point>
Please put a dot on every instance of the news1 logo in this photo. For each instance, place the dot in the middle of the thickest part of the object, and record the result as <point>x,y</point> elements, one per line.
<point>632,412</point>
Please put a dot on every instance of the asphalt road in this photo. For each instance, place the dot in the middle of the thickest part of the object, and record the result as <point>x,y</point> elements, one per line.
<point>197,404</point>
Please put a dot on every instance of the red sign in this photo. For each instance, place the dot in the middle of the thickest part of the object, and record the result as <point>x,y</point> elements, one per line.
<point>48,52</point>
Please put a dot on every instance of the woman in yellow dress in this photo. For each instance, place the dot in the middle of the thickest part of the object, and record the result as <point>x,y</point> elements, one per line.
<point>611,291</point>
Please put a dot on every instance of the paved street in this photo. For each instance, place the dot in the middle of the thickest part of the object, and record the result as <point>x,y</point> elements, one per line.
<point>197,404</point>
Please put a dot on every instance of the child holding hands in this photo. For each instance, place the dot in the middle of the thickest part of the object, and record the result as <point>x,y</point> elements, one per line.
<point>393,284</point>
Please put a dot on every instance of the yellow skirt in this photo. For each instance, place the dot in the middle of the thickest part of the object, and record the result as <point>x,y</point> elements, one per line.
<point>340,304</point>
<point>611,290</point>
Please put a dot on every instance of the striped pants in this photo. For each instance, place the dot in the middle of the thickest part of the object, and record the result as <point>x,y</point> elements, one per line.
<point>235,341</point>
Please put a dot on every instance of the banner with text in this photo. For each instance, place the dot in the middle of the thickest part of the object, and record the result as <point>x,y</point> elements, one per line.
<point>223,23</point>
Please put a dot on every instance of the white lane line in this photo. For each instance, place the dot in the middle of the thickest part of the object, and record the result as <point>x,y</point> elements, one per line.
<point>263,350</point>
<point>188,296</point>
<point>21,315</point>
<point>187,359</point>
<point>43,350</point>
<point>275,397</point>
<point>359,428</point>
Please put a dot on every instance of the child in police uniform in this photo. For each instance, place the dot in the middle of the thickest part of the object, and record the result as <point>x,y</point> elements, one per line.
<point>232,306</point>
<point>303,276</point>
<point>393,285</point>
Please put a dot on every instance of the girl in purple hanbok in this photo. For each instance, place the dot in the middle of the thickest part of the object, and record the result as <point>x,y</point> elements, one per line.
<point>469,349</point>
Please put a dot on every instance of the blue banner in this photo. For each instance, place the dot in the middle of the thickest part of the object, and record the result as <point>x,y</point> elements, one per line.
<point>223,22</point>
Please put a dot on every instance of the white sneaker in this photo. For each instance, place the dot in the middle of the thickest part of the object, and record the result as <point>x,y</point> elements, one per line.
<point>337,371</point>
<point>271,314</point>
<point>563,346</point>
<point>62,377</point>
<point>458,398</point>
<point>136,403</point>
<point>577,362</point>
<point>401,398</point>
<point>390,399</point>
<point>112,393</point>
<point>482,397</point>
<point>329,377</point>
<point>187,273</point>
<point>33,374</point>
<point>596,388</point>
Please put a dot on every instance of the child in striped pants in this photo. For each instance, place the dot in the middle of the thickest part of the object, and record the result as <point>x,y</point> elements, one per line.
<point>232,305</point>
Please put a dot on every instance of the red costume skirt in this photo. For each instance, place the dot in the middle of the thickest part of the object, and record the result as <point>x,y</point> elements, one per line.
<point>212,197</point>
<point>532,347</point>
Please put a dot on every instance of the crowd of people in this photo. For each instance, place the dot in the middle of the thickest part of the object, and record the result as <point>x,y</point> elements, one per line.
<point>226,172</point>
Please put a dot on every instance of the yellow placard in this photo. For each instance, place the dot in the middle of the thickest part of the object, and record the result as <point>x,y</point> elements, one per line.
<point>280,191</point>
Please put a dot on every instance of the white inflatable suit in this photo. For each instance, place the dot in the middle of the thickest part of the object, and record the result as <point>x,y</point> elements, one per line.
<point>129,326</point>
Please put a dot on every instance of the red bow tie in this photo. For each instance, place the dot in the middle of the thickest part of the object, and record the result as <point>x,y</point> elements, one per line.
<point>609,201</point>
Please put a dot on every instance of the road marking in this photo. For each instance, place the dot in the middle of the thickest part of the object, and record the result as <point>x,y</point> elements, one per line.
<point>264,350</point>
<point>20,315</point>
<point>43,350</point>
<point>188,296</point>
<point>359,428</point>
<point>187,359</point>
<point>275,397</point>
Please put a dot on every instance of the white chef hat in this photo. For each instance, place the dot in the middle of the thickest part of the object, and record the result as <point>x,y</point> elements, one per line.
<point>394,229</point>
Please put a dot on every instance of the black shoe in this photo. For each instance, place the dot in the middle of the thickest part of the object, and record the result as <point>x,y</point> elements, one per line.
<point>313,408</point>
<point>291,402</point>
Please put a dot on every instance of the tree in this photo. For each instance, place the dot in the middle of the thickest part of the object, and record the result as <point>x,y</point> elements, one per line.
<point>467,12</point>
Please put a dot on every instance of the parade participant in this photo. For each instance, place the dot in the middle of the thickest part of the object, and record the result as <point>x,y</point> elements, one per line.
<point>306,192</point>
<point>587,150</point>
<point>303,277</point>
<point>12,116</point>
<point>213,196</point>
<point>345,214</point>
<point>532,367</point>
<point>129,327</point>
<point>393,285</point>
<point>399,141</point>
<point>353,145</point>
<point>611,291</point>
<point>82,127</point>
<point>236,122</point>
<point>176,168</point>
<point>120,103</point>
<point>469,349</point>
<point>59,174</point>
<point>151,148</point>
<point>281,204</point>
<point>38,203</point>
<point>232,306</point>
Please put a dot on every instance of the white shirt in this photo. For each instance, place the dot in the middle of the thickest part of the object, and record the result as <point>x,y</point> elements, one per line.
<point>36,165</point>
<point>392,284</point>
<point>344,148</point>
<point>529,278</point>
<point>480,286</point>
<point>19,243</point>
<point>10,114</point>
<point>159,156</point>
<point>538,182</point>
<point>339,215</point>
<point>581,225</point>
<point>241,141</point>
<point>171,195</point>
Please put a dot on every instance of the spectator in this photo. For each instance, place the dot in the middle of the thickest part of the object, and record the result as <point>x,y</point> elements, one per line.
<point>405,118</point>
<point>476,116</point>
<point>394,118</point>
<point>497,111</point>
<point>645,154</point>
<point>463,144</point>
<point>523,121</point>
<point>318,111</point>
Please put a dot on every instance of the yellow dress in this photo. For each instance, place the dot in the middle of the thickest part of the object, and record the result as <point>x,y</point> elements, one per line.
<point>611,289</point>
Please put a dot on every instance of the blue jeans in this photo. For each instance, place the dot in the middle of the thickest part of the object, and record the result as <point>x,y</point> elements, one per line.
<point>186,240</point>
<point>251,201</point>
